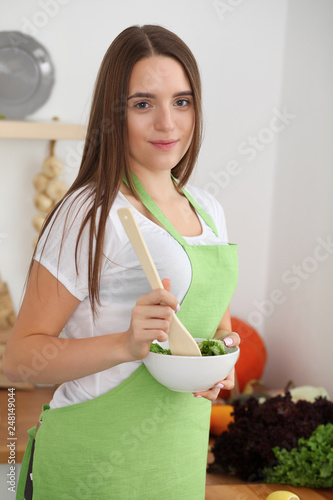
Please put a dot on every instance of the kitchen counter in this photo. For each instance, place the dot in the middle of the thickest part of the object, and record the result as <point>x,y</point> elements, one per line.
<point>260,492</point>
<point>28,406</point>
<point>225,487</point>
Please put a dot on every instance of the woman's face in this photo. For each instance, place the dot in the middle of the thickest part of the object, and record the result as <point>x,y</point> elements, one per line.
<point>160,116</point>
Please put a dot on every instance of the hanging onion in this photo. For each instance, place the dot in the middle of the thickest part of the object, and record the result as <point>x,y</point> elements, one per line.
<point>52,166</point>
<point>42,202</point>
<point>38,221</point>
<point>40,182</point>
<point>56,188</point>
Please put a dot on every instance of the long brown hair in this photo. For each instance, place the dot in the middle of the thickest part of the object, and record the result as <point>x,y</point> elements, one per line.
<point>105,157</point>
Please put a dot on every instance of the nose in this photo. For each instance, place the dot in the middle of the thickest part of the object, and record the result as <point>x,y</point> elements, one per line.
<point>164,119</point>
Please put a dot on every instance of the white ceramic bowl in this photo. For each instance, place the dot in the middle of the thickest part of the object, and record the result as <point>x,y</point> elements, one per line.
<point>190,373</point>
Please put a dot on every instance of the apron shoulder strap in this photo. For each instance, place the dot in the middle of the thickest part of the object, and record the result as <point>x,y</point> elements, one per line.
<point>157,212</point>
<point>201,212</point>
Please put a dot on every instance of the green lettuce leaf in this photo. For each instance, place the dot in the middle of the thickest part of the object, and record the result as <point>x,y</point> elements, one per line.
<point>157,348</point>
<point>211,347</point>
<point>310,464</point>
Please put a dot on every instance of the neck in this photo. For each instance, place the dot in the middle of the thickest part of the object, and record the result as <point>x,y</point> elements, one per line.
<point>158,184</point>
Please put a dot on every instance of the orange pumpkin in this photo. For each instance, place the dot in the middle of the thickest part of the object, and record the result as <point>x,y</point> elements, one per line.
<point>252,356</point>
<point>220,418</point>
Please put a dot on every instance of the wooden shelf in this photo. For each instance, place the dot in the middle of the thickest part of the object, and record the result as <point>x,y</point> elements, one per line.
<point>53,130</point>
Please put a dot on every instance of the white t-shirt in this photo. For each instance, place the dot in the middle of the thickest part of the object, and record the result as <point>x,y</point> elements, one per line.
<point>122,279</point>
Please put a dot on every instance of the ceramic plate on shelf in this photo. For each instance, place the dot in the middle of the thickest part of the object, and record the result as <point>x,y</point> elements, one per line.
<point>26,74</point>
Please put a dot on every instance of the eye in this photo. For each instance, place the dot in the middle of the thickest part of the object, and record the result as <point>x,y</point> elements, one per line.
<point>181,103</point>
<point>141,105</point>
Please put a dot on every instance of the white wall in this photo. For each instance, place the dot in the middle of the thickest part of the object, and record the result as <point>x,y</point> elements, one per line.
<point>256,63</point>
<point>299,330</point>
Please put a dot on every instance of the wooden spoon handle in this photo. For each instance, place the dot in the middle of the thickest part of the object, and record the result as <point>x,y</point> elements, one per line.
<point>140,247</point>
<point>181,341</point>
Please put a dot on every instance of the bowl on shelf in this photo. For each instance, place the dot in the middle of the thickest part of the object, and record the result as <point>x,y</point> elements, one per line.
<point>190,373</point>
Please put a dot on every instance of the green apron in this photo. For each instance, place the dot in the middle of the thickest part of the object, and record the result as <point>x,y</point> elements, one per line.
<point>140,440</point>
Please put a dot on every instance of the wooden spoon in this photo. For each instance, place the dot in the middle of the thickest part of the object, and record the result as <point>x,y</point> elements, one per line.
<point>181,342</point>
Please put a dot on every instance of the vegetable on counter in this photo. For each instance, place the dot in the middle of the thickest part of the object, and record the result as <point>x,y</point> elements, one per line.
<point>220,417</point>
<point>310,464</point>
<point>274,440</point>
<point>210,347</point>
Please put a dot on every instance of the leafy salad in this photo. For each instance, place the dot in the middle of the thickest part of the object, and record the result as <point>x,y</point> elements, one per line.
<point>278,441</point>
<point>210,347</point>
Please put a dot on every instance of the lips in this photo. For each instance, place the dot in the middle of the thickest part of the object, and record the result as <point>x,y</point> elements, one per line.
<point>164,144</point>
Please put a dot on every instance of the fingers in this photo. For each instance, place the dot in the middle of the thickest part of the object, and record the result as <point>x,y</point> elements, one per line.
<point>159,296</point>
<point>212,394</point>
<point>150,319</point>
<point>167,284</point>
<point>157,316</point>
<point>146,327</point>
<point>145,330</point>
<point>231,339</point>
<point>153,312</point>
<point>229,382</point>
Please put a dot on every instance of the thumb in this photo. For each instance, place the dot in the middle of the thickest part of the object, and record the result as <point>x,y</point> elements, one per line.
<point>166,282</point>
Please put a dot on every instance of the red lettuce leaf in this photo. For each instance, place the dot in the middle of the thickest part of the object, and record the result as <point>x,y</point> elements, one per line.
<point>247,447</point>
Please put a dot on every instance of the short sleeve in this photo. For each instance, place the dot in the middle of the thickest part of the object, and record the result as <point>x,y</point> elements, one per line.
<point>56,248</point>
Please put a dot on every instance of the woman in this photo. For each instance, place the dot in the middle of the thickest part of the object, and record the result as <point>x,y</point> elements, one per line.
<point>111,430</point>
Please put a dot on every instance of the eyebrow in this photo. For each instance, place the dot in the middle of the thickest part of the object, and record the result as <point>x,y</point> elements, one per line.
<point>152,96</point>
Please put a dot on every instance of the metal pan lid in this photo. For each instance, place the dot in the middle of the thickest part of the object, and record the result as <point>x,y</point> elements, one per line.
<point>26,74</point>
